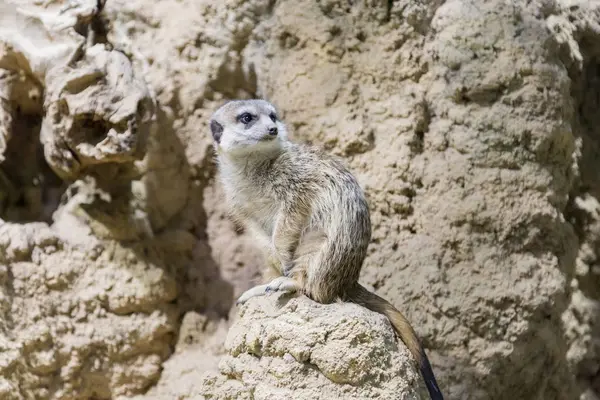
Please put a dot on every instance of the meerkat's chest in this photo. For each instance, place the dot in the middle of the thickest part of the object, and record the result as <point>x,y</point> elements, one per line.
<point>252,203</point>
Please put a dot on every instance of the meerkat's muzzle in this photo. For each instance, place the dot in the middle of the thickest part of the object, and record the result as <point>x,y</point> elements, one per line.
<point>269,137</point>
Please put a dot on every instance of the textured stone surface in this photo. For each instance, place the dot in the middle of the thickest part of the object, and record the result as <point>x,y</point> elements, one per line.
<point>472,126</point>
<point>577,29</point>
<point>75,323</point>
<point>97,112</point>
<point>284,348</point>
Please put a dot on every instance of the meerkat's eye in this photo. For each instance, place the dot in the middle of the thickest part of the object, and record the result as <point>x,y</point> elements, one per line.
<point>245,118</point>
<point>273,117</point>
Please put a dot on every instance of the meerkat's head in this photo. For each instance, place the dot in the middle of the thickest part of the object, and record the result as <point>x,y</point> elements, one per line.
<point>244,126</point>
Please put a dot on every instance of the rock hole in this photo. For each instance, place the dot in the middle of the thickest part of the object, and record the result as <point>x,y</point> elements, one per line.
<point>93,130</point>
<point>29,189</point>
<point>388,11</point>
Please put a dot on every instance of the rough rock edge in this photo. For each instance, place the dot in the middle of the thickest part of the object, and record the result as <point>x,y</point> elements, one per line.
<point>283,347</point>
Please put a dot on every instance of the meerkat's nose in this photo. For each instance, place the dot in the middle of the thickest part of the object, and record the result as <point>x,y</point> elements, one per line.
<point>273,131</point>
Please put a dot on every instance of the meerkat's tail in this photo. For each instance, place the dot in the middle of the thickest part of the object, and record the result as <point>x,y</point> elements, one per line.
<point>404,330</point>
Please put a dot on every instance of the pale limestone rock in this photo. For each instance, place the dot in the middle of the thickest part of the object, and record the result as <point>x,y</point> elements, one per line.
<point>296,348</point>
<point>97,112</point>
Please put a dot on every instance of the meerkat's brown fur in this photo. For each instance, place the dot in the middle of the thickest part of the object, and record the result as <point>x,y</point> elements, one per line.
<point>306,210</point>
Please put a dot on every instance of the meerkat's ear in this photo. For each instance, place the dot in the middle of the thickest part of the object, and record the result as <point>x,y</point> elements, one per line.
<point>217,130</point>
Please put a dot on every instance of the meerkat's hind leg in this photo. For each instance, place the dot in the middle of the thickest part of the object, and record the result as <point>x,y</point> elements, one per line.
<point>279,284</point>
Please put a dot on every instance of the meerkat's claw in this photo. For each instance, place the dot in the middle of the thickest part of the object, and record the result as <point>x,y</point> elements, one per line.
<point>280,284</point>
<point>259,290</point>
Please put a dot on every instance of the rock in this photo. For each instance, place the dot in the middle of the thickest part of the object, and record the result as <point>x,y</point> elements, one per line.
<point>297,348</point>
<point>74,323</point>
<point>97,112</point>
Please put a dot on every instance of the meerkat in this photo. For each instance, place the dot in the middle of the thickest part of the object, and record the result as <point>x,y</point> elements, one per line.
<point>307,212</point>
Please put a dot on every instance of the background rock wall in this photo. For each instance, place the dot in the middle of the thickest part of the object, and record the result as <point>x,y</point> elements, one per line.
<point>472,125</point>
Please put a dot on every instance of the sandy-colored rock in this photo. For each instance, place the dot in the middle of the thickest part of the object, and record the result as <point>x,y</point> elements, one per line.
<point>296,348</point>
<point>75,324</point>
<point>91,297</point>
<point>199,348</point>
<point>577,29</point>
<point>26,49</point>
<point>97,112</point>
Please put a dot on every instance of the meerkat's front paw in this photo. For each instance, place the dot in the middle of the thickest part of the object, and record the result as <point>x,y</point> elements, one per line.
<point>259,290</point>
<point>280,284</point>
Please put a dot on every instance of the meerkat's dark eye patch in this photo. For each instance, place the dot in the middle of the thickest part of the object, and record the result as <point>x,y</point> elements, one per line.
<point>245,118</point>
<point>217,130</point>
<point>273,116</point>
